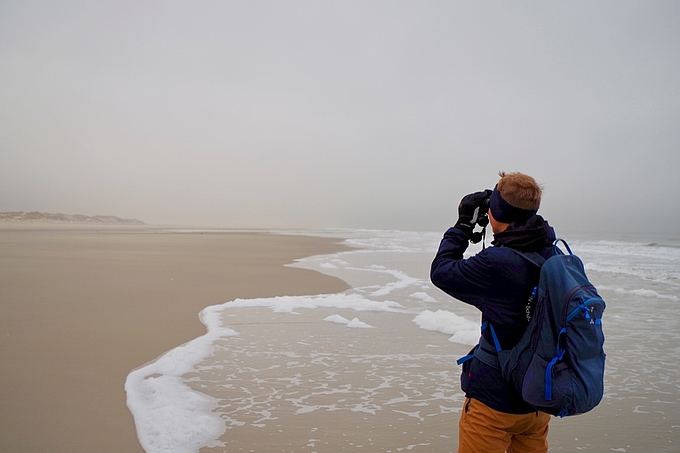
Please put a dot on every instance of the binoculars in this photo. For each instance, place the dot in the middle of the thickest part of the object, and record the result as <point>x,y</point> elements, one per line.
<point>482,220</point>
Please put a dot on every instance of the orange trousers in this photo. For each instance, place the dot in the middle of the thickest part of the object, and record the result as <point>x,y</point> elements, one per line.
<point>485,430</point>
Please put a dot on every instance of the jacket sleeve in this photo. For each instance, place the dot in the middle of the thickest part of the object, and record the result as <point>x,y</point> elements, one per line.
<point>465,279</point>
<point>496,280</point>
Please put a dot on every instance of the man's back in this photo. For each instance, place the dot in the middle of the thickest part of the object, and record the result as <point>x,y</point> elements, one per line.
<point>498,282</point>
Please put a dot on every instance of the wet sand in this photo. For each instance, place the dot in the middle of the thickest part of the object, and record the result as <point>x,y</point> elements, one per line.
<point>82,306</point>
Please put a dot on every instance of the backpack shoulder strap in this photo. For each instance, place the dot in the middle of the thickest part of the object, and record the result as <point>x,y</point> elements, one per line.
<point>536,259</point>
<point>533,257</point>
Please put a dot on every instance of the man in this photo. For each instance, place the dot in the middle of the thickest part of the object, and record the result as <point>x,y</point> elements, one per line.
<point>499,283</point>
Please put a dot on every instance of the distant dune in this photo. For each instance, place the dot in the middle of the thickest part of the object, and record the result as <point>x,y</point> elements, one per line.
<point>44,217</point>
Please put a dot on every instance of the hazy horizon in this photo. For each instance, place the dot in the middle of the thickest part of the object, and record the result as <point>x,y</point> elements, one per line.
<point>353,114</point>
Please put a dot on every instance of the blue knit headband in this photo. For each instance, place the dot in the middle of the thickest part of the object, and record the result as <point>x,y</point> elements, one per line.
<point>505,212</point>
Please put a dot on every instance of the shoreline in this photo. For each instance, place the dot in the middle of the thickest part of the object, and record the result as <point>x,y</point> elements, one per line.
<point>85,305</point>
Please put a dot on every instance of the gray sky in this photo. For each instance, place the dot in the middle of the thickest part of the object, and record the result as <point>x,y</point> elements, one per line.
<point>365,114</point>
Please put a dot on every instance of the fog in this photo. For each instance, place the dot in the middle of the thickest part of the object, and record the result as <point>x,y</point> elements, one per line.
<point>351,114</point>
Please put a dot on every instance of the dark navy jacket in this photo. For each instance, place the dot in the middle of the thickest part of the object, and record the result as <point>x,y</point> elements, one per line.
<point>498,282</point>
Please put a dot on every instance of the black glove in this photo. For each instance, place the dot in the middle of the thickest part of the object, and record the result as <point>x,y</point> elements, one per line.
<point>469,210</point>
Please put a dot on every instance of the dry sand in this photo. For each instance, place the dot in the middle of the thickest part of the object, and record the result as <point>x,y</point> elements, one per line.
<point>82,306</point>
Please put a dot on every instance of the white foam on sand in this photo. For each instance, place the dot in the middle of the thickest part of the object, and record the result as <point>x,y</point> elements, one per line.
<point>288,304</point>
<point>354,323</point>
<point>462,330</point>
<point>169,415</point>
<point>337,319</point>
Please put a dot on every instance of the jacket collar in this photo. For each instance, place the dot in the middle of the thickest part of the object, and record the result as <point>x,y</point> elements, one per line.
<point>532,235</point>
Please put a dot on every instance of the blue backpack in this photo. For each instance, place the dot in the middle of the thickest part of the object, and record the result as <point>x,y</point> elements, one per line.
<point>558,364</point>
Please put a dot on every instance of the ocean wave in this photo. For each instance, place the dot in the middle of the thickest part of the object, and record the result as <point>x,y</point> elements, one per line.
<point>649,293</point>
<point>653,273</point>
<point>662,253</point>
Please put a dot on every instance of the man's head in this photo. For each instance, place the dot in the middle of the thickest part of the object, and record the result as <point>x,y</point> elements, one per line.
<point>515,198</point>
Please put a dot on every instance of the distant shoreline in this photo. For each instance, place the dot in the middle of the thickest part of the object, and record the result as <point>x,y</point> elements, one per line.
<point>45,217</point>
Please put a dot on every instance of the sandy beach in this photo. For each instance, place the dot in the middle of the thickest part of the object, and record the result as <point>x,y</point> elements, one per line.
<point>82,306</point>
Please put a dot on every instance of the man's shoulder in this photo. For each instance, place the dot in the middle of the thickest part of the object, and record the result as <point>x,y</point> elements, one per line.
<point>499,253</point>
<point>492,257</point>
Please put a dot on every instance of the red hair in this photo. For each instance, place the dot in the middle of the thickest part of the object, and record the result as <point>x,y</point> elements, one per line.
<point>520,190</point>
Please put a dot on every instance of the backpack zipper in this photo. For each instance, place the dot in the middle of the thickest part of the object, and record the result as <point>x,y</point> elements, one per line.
<point>587,310</point>
<point>569,295</point>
